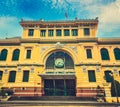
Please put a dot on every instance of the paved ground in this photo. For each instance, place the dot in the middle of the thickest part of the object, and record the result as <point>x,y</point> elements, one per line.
<point>56,104</point>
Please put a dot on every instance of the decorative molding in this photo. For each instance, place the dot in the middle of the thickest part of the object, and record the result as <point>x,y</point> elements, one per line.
<point>88,47</point>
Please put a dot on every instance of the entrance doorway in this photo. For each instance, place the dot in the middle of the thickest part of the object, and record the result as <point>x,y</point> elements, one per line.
<point>59,87</point>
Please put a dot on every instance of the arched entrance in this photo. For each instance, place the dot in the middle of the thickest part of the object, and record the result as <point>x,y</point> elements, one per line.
<point>59,77</point>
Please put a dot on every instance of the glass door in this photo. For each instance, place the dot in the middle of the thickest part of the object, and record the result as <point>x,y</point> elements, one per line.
<point>59,87</point>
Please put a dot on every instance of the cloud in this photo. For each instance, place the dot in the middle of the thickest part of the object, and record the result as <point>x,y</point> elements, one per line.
<point>110,20</point>
<point>9,27</point>
<point>108,12</point>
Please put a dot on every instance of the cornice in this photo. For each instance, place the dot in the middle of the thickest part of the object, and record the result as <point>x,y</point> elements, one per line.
<point>16,41</point>
<point>60,22</point>
<point>108,40</point>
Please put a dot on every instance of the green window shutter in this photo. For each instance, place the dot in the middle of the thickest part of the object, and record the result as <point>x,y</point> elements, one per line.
<point>66,32</point>
<point>50,33</point>
<point>91,75</point>
<point>1,74</point>
<point>16,54</point>
<point>43,33</point>
<point>86,31</point>
<point>28,55</point>
<point>30,32</point>
<point>74,32</point>
<point>89,53</point>
<point>3,55</point>
<point>58,33</point>
<point>104,54</point>
<point>12,76</point>
<point>108,76</point>
<point>117,53</point>
<point>25,76</point>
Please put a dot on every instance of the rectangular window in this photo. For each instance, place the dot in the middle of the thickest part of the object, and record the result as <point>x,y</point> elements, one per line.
<point>50,33</point>
<point>31,32</point>
<point>43,33</point>
<point>91,75</point>
<point>12,76</point>
<point>74,32</point>
<point>89,53</point>
<point>25,76</point>
<point>28,54</point>
<point>58,33</point>
<point>86,31</point>
<point>66,32</point>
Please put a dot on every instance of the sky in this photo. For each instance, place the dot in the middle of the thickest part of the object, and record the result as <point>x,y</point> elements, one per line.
<point>12,11</point>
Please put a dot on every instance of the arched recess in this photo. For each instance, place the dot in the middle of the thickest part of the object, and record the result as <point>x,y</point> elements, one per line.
<point>59,59</point>
<point>66,50</point>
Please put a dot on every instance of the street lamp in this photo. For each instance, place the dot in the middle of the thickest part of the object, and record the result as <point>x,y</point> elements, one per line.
<point>112,75</point>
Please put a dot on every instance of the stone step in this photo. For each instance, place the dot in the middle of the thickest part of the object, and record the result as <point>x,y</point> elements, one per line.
<point>54,98</point>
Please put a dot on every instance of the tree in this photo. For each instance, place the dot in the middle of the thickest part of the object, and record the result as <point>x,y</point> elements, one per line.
<point>115,92</point>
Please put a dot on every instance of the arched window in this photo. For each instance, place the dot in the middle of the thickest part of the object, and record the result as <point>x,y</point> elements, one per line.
<point>1,74</point>
<point>59,60</point>
<point>3,55</point>
<point>117,53</point>
<point>12,76</point>
<point>104,54</point>
<point>108,77</point>
<point>15,56</point>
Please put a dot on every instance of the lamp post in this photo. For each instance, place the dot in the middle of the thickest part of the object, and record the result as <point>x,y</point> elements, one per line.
<point>112,75</point>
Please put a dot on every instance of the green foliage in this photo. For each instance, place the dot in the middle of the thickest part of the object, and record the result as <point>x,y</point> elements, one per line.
<point>100,92</point>
<point>3,92</point>
<point>115,88</point>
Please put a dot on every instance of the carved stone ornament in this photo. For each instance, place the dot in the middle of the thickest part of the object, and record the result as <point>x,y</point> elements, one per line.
<point>32,69</point>
<point>19,68</point>
<point>43,49</point>
<point>98,68</point>
<point>74,48</point>
<point>6,70</point>
<point>58,45</point>
<point>84,68</point>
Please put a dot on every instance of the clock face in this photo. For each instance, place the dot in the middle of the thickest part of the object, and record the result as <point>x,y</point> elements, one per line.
<point>59,62</point>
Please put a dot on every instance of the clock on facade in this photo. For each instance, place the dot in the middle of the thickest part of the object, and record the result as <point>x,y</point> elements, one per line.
<point>59,63</point>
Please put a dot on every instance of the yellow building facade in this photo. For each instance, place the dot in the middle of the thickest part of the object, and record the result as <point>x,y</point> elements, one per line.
<point>60,58</point>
